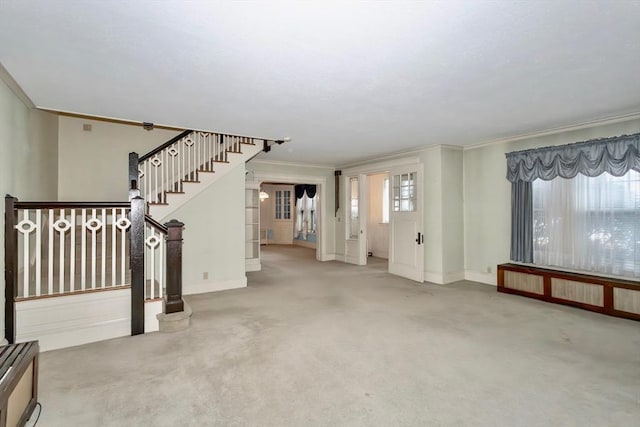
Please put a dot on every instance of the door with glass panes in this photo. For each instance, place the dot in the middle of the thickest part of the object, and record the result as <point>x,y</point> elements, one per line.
<point>406,236</point>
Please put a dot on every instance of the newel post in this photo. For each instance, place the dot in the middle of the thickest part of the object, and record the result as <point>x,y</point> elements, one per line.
<point>10,267</point>
<point>136,236</point>
<point>134,188</point>
<point>173,299</point>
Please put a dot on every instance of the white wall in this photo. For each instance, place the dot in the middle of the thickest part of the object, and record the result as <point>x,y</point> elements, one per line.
<point>94,165</point>
<point>214,236</point>
<point>28,157</point>
<point>377,232</point>
<point>487,195</point>
<point>452,215</point>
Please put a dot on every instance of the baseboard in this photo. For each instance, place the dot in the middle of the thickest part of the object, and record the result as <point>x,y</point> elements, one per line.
<point>453,277</point>
<point>328,257</point>
<point>475,276</point>
<point>71,320</point>
<point>221,285</point>
<point>340,257</point>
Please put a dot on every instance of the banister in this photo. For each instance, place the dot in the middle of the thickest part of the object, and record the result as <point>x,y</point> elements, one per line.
<point>149,219</point>
<point>165,145</point>
<point>70,205</point>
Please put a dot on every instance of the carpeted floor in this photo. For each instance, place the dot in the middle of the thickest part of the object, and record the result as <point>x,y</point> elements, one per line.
<point>331,344</point>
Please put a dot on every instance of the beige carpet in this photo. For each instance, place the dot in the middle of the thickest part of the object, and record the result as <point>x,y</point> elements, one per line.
<point>330,344</point>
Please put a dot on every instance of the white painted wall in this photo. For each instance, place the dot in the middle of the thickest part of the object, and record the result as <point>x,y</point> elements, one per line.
<point>214,236</point>
<point>487,195</point>
<point>377,232</point>
<point>452,215</point>
<point>94,165</point>
<point>28,157</point>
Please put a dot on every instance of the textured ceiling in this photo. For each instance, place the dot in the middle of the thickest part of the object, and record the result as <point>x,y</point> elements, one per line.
<point>345,80</point>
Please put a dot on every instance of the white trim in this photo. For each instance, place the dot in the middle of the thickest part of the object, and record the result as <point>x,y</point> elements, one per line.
<point>323,213</point>
<point>453,277</point>
<point>71,320</point>
<point>379,167</point>
<point>221,285</point>
<point>475,276</point>
<point>553,131</point>
<point>340,257</point>
<point>259,161</point>
<point>329,257</point>
<point>443,278</point>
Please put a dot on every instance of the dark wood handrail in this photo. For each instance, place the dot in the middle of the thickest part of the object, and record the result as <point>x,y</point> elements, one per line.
<point>149,219</point>
<point>165,145</point>
<point>70,205</point>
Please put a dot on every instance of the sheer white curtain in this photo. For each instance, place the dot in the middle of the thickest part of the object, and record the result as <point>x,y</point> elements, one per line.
<point>588,223</point>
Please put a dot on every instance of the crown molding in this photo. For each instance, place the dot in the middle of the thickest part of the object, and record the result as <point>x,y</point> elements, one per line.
<point>8,79</point>
<point>553,131</point>
<point>283,163</point>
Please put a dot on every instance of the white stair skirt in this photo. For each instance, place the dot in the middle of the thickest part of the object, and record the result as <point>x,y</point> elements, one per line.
<point>71,320</point>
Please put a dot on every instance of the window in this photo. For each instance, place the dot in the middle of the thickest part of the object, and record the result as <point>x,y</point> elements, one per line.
<point>283,204</point>
<point>354,225</point>
<point>404,192</point>
<point>588,223</point>
<point>306,216</point>
<point>385,201</point>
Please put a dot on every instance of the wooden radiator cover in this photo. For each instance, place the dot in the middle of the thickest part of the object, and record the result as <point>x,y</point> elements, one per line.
<point>614,297</point>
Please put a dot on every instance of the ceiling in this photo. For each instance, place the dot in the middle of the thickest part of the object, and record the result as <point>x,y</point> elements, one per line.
<point>344,80</point>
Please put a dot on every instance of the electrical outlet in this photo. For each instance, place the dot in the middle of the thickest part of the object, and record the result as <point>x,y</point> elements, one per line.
<point>87,127</point>
<point>489,269</point>
<point>205,275</point>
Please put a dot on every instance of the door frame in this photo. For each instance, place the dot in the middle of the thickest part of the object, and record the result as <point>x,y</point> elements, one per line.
<point>384,166</point>
<point>359,255</point>
<point>283,178</point>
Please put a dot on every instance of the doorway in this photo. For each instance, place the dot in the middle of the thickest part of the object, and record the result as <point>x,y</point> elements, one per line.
<point>404,230</point>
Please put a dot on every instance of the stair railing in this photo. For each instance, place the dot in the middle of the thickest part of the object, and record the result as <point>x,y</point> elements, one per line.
<point>65,248</point>
<point>164,170</point>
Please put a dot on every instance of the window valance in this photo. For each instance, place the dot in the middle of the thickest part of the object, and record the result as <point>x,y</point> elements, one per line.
<point>300,189</point>
<point>616,155</point>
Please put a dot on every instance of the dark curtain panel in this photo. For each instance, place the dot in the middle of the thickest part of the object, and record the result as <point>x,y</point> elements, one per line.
<point>311,190</point>
<point>522,221</point>
<point>299,190</point>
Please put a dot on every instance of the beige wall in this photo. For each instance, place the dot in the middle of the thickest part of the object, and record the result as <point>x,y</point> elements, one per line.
<point>377,232</point>
<point>487,195</point>
<point>94,165</point>
<point>28,157</point>
<point>452,214</point>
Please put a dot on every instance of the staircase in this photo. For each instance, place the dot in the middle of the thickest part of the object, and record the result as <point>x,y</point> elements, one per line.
<point>172,174</point>
<point>78,272</point>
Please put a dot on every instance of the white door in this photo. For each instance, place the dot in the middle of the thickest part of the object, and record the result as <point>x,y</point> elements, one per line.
<point>406,237</point>
<point>355,223</point>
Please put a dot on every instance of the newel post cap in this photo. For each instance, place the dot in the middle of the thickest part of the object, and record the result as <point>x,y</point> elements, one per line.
<point>174,223</point>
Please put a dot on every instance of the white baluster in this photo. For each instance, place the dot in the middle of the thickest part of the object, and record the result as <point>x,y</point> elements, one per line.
<point>72,260</point>
<point>103,238</point>
<point>123,255</point>
<point>61,230</point>
<point>162,264</point>
<point>114,243</point>
<point>83,248</point>
<point>94,254</point>
<point>38,251</point>
<point>50,226</point>
<point>25,256</point>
